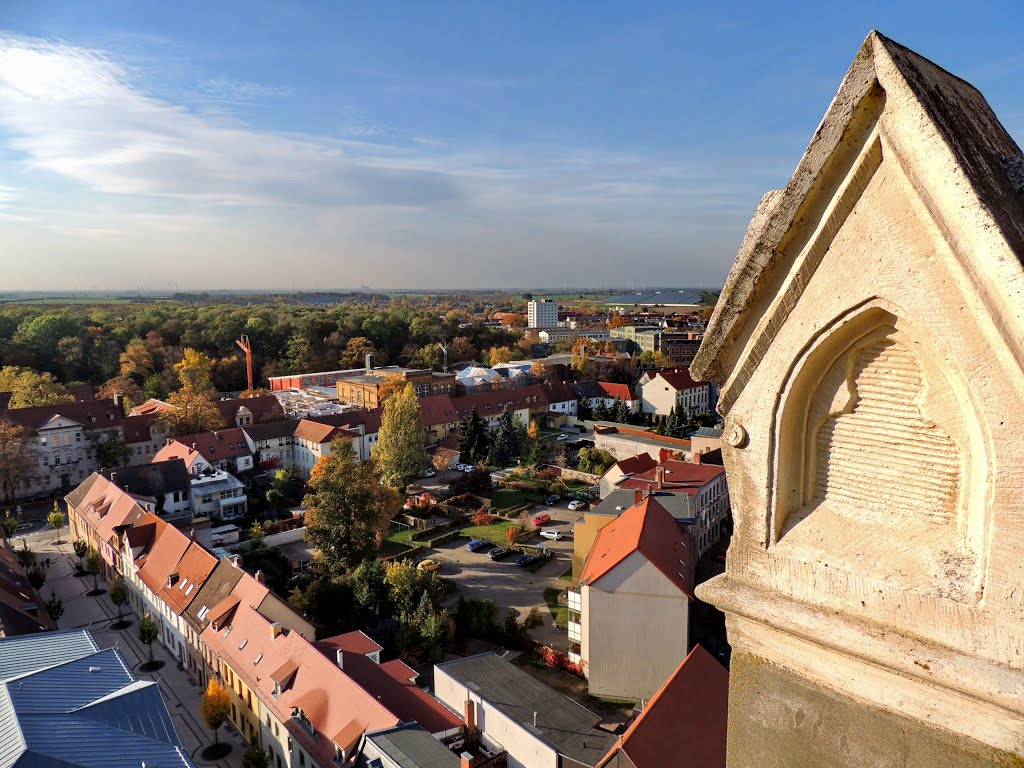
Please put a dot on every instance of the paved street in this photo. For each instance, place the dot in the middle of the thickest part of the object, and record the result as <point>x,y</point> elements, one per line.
<point>97,613</point>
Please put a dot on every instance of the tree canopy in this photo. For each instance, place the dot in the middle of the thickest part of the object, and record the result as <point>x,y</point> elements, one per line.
<point>349,509</point>
<point>399,455</point>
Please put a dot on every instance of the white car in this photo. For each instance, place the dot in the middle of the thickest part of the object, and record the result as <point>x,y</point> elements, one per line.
<point>577,504</point>
<point>551,533</point>
<point>562,437</point>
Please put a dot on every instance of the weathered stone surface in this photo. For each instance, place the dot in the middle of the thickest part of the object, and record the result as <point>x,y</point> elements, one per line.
<point>869,344</point>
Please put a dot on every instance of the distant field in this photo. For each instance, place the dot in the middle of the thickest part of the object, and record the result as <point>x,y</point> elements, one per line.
<point>71,300</point>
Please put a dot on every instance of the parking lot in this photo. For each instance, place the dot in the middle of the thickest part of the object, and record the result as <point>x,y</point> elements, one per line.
<point>508,586</point>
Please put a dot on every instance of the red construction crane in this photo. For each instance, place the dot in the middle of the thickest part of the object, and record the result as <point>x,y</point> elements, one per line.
<point>247,348</point>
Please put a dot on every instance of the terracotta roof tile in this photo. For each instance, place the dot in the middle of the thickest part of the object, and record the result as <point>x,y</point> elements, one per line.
<point>686,717</point>
<point>680,379</point>
<point>163,555</point>
<point>194,567</point>
<point>649,529</point>
<point>615,391</point>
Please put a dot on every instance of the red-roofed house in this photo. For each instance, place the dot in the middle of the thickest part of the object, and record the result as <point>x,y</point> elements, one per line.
<point>704,483</point>
<point>393,682</point>
<point>225,449</point>
<point>298,443</point>
<point>98,512</point>
<point>684,723</point>
<point>609,393</point>
<point>661,391</point>
<point>630,613</point>
<point>286,695</point>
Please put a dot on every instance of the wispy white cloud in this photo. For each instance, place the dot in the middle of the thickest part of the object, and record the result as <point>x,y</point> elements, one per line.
<point>84,116</point>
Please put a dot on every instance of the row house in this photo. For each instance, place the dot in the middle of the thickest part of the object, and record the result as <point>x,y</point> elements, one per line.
<point>234,412</point>
<point>227,450</point>
<point>607,392</point>
<point>64,440</point>
<point>297,442</point>
<point>629,613</point>
<point>162,486</point>
<point>98,513</point>
<point>661,392</point>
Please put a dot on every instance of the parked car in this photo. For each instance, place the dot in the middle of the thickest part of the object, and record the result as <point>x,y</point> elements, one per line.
<point>429,565</point>
<point>478,545</point>
<point>428,473</point>
<point>562,437</point>
<point>542,519</point>
<point>552,499</point>
<point>552,533</point>
<point>500,553</point>
<point>577,504</point>
<point>526,560</point>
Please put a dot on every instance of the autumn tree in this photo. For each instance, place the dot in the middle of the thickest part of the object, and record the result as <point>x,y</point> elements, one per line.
<point>354,354</point>
<point>136,361</point>
<point>29,388</point>
<point>119,596</point>
<point>193,410</point>
<point>18,462</point>
<point>391,386</point>
<point>215,706</point>
<point>125,386</point>
<point>618,321</point>
<point>349,509</point>
<point>442,461</point>
<point>399,455</point>
<point>496,355</point>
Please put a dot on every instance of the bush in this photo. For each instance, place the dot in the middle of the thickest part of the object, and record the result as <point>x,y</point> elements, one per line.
<point>512,533</point>
<point>557,660</point>
<point>549,473</point>
<point>480,517</point>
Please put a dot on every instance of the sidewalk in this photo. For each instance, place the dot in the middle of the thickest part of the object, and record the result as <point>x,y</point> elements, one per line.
<point>97,614</point>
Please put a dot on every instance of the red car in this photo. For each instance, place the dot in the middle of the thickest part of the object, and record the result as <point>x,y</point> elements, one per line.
<point>542,519</point>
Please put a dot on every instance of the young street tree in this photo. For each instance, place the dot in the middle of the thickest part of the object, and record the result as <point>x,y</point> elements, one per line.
<point>149,630</point>
<point>399,454</point>
<point>56,521</point>
<point>215,706</point>
<point>119,596</point>
<point>54,607</point>
<point>10,525</point>
<point>473,442</point>
<point>81,548</point>
<point>93,566</point>
<point>349,509</point>
<point>18,462</point>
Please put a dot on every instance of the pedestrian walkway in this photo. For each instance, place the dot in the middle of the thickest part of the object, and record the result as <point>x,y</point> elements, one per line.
<point>98,614</point>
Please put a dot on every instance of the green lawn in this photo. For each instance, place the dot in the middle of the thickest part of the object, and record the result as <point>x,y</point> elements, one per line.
<point>567,576</point>
<point>506,498</point>
<point>560,612</point>
<point>494,533</point>
<point>401,537</point>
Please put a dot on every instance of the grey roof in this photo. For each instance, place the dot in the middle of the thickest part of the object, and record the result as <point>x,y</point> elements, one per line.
<point>667,296</point>
<point>271,429</point>
<point>712,432</point>
<point>151,480</point>
<point>411,746</point>
<point>562,724</point>
<point>679,505</point>
<point>19,655</point>
<point>586,389</point>
<point>71,705</point>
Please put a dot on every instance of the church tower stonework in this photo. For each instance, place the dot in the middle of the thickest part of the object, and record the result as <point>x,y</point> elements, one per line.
<point>869,346</point>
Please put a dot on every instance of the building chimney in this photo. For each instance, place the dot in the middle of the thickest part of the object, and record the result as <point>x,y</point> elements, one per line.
<point>339,657</point>
<point>113,478</point>
<point>192,534</point>
<point>695,457</point>
<point>193,446</point>
<point>638,495</point>
<point>369,361</point>
<point>534,719</point>
<point>466,760</point>
<point>119,402</point>
<point>659,477</point>
<point>275,629</point>
<point>470,718</point>
<point>260,577</point>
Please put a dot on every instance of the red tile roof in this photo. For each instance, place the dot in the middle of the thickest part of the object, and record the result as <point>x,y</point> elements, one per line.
<point>137,429</point>
<point>194,567</point>
<point>615,391</point>
<point>494,402</point>
<point>647,528</point>
<point>104,507</point>
<point>679,477</point>
<point>685,718</point>
<point>320,433</point>
<point>160,560</point>
<point>558,392</point>
<point>338,708</point>
<point>391,683</point>
<point>264,408</point>
<point>636,464</point>
<point>92,414</point>
<point>680,379</point>
<point>151,407</point>
<point>212,446</point>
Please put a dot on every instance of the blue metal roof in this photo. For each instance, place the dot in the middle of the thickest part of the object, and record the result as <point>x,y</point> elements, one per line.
<point>80,707</point>
<point>27,653</point>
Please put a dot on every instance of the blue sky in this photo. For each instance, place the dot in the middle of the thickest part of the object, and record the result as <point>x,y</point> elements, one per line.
<point>479,144</point>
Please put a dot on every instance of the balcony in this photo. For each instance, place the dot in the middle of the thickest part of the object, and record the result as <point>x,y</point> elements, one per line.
<point>575,601</point>
<point>575,632</point>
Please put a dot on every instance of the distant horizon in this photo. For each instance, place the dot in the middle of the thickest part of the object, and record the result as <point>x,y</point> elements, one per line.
<point>589,290</point>
<point>464,145</point>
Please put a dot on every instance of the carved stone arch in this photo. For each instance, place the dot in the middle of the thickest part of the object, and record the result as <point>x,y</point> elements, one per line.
<point>877,429</point>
